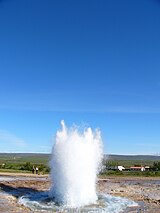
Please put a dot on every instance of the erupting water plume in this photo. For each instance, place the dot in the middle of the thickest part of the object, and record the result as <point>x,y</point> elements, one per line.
<point>76,160</point>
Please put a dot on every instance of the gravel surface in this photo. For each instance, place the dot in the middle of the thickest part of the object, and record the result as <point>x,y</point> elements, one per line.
<point>145,191</point>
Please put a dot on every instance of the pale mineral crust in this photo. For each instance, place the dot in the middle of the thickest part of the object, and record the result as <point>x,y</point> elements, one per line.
<point>144,191</point>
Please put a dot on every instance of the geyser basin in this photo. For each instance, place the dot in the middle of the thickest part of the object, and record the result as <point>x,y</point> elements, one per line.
<point>76,159</point>
<point>104,204</point>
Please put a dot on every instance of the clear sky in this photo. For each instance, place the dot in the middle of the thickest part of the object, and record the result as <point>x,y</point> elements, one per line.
<point>89,62</point>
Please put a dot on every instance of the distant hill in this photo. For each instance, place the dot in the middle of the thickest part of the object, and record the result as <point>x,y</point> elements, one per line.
<point>133,157</point>
<point>39,157</point>
<point>24,154</point>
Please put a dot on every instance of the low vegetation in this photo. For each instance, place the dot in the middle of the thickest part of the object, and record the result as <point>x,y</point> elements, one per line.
<point>24,167</point>
<point>110,168</point>
<point>24,163</point>
<point>130,173</point>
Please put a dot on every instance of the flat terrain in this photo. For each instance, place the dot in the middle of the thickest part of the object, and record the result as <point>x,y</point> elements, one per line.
<point>24,157</point>
<point>8,174</point>
<point>24,162</point>
<point>145,191</point>
<point>44,158</point>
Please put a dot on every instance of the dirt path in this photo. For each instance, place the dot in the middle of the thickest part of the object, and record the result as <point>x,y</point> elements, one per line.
<point>21,174</point>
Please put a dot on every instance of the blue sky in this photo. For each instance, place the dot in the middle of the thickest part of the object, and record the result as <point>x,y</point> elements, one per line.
<point>94,63</point>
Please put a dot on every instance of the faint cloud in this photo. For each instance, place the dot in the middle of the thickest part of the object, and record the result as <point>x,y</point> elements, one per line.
<point>151,145</point>
<point>129,109</point>
<point>10,139</point>
<point>45,149</point>
<point>91,109</point>
<point>56,103</point>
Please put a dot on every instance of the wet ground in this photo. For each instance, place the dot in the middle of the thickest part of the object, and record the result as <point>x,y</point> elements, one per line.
<point>145,191</point>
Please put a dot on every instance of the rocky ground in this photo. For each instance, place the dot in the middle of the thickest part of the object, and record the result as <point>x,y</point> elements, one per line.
<point>145,191</point>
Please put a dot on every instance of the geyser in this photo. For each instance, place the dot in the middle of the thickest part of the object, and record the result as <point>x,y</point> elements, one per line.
<point>76,160</point>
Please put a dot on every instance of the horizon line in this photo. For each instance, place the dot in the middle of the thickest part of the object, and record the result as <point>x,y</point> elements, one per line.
<point>49,153</point>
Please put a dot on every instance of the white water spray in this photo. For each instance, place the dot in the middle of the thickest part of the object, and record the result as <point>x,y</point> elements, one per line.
<point>76,159</point>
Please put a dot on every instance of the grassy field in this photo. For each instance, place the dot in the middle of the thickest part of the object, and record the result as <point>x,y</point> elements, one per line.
<point>24,163</point>
<point>130,174</point>
<point>23,158</point>
<point>128,163</point>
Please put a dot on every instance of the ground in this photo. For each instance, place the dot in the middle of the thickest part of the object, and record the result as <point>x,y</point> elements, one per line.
<point>145,191</point>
